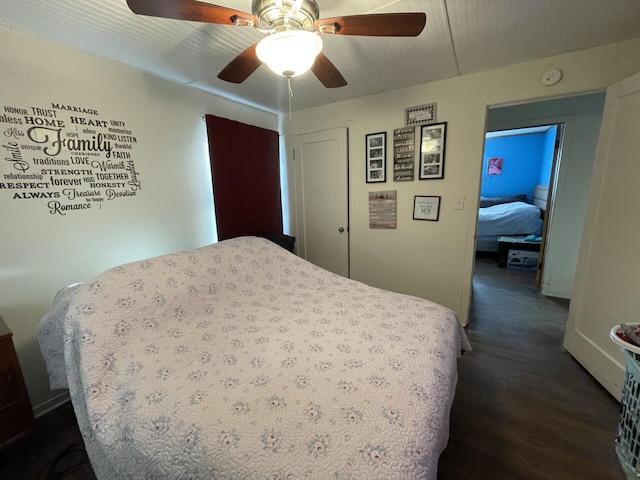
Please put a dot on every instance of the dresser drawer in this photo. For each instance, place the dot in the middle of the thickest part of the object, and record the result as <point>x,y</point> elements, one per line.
<point>16,416</point>
<point>9,390</point>
<point>13,419</point>
<point>6,354</point>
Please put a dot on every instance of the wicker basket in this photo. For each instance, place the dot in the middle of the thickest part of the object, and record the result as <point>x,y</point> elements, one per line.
<point>628,440</point>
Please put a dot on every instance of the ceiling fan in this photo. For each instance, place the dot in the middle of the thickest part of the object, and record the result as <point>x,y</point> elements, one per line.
<point>293,44</point>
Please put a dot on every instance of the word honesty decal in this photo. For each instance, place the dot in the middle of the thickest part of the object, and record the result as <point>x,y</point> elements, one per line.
<point>66,157</point>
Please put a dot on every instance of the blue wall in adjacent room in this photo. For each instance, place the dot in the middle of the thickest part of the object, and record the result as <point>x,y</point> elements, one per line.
<point>526,161</point>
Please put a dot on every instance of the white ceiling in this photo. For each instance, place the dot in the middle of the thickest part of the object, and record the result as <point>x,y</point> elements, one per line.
<point>461,37</point>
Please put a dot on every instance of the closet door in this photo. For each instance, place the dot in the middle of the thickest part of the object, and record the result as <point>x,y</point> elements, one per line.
<point>322,198</point>
<point>245,170</point>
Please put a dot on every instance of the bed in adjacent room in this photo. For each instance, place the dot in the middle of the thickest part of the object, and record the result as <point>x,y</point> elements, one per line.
<point>241,360</point>
<point>506,216</point>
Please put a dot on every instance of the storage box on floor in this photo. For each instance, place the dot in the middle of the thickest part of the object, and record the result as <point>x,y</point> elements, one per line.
<point>522,259</point>
<point>519,243</point>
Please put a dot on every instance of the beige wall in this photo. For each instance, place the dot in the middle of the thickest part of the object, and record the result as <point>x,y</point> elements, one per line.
<point>40,252</point>
<point>434,260</point>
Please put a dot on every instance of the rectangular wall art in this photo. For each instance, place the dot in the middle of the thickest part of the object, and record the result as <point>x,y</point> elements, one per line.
<point>382,209</point>
<point>426,208</point>
<point>432,149</point>
<point>376,150</point>
<point>403,154</point>
<point>420,115</point>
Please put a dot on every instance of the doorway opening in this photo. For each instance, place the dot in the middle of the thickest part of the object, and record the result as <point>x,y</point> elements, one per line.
<point>576,121</point>
<point>519,175</point>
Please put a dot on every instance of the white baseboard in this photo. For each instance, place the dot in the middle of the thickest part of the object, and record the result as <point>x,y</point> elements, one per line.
<point>52,404</point>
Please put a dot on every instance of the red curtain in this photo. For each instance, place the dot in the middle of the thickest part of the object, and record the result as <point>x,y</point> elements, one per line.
<point>245,170</point>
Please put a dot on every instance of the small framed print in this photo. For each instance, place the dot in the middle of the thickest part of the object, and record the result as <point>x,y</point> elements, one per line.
<point>420,115</point>
<point>426,208</point>
<point>432,149</point>
<point>376,150</point>
<point>494,166</point>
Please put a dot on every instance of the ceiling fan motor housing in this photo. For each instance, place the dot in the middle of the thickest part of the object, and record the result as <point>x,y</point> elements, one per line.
<point>272,14</point>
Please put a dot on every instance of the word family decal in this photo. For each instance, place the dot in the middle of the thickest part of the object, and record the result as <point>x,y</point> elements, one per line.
<point>67,157</point>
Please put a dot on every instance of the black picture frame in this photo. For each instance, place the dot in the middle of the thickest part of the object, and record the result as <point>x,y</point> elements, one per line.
<point>426,207</point>
<point>432,151</point>
<point>376,157</point>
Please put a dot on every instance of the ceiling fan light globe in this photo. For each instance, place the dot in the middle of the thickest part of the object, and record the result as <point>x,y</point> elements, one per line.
<point>289,53</point>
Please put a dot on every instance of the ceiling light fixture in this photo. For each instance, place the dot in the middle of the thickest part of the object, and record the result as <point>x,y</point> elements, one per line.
<point>290,52</point>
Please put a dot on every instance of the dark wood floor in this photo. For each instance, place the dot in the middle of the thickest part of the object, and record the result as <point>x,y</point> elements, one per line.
<point>524,409</point>
<point>53,451</point>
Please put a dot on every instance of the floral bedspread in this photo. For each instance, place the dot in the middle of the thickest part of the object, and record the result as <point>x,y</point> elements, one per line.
<point>240,360</point>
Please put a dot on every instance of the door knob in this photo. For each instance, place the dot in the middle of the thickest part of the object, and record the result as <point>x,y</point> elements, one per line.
<point>341,229</point>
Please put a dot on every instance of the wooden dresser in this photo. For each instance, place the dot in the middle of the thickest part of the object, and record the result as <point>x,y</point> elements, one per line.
<point>16,414</point>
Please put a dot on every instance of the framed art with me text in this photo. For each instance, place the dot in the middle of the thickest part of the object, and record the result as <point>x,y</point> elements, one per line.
<point>426,208</point>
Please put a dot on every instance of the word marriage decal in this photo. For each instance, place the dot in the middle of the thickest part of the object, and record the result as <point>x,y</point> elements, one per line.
<point>66,157</point>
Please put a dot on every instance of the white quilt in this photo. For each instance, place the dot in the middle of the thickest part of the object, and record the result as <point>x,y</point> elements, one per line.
<point>240,360</point>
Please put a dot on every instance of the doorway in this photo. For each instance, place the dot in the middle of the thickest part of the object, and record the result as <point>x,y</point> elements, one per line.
<point>516,195</point>
<point>580,117</point>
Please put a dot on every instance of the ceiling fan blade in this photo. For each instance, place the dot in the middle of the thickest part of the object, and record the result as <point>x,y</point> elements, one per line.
<point>327,72</point>
<point>375,25</point>
<point>189,10</point>
<point>241,67</point>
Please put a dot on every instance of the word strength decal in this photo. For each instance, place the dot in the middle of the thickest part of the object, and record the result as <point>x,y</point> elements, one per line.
<point>66,157</point>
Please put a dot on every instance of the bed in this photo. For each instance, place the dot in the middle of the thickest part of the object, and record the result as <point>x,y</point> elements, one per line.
<point>241,360</point>
<point>506,216</point>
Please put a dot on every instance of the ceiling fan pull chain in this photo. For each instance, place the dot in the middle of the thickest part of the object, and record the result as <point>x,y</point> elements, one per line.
<point>290,97</point>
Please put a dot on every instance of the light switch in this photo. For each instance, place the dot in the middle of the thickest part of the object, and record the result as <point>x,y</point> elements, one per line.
<point>458,203</point>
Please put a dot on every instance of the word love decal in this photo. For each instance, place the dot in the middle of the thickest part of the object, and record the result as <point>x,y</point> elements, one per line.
<point>66,157</point>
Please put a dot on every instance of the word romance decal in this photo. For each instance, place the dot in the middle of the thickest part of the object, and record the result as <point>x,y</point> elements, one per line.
<point>68,158</point>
